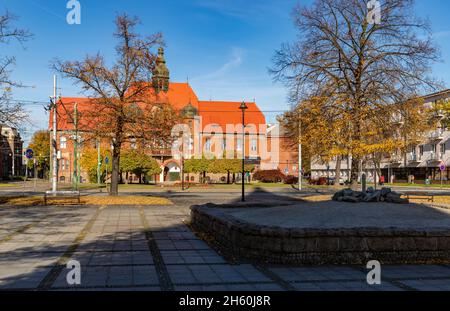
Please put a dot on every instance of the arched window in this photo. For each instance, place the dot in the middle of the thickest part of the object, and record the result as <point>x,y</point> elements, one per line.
<point>63,143</point>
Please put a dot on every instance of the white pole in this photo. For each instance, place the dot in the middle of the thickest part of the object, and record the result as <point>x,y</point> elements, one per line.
<point>14,160</point>
<point>300,173</point>
<point>54,153</point>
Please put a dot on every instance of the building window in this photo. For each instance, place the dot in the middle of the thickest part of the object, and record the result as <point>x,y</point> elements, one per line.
<point>208,144</point>
<point>443,148</point>
<point>133,144</point>
<point>63,143</point>
<point>224,144</point>
<point>239,144</point>
<point>421,150</point>
<point>253,145</point>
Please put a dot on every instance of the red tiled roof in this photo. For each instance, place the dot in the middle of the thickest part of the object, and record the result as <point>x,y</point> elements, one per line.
<point>223,113</point>
<point>66,114</point>
<point>179,96</point>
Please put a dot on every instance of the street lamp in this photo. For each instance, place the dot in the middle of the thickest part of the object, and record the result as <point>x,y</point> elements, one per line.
<point>243,107</point>
<point>12,163</point>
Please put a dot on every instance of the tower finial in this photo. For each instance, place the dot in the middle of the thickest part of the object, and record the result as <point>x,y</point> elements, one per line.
<point>161,73</point>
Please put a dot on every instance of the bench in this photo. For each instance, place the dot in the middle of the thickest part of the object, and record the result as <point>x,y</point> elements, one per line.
<point>420,196</point>
<point>62,195</point>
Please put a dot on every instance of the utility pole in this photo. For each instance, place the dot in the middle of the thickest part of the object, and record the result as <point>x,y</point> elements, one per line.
<point>99,163</point>
<point>13,161</point>
<point>243,107</point>
<point>54,151</point>
<point>182,161</point>
<point>300,171</point>
<point>75,147</point>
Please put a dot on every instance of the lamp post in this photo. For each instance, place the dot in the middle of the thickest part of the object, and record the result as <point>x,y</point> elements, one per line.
<point>12,163</point>
<point>243,107</point>
<point>182,162</point>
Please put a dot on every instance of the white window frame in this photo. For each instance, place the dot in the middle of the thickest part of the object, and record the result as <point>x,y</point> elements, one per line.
<point>63,142</point>
<point>253,144</point>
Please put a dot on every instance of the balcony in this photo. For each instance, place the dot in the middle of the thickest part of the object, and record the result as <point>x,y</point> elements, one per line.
<point>396,159</point>
<point>436,135</point>
<point>414,158</point>
<point>435,157</point>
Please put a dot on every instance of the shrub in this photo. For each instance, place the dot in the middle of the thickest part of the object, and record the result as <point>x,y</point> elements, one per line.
<point>290,180</point>
<point>268,176</point>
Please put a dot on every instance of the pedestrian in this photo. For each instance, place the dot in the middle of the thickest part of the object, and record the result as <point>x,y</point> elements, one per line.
<point>382,180</point>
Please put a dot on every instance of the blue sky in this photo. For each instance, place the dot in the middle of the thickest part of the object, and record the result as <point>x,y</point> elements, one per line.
<point>223,47</point>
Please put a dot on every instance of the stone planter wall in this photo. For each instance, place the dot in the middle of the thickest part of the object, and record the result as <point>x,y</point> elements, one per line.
<point>321,246</point>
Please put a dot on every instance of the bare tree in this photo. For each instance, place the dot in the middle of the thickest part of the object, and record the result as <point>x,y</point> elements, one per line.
<point>10,112</point>
<point>368,67</point>
<point>121,109</point>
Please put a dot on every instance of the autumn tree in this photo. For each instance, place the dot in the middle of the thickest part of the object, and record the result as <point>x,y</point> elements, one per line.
<point>138,163</point>
<point>121,108</point>
<point>40,143</point>
<point>362,66</point>
<point>199,166</point>
<point>11,112</point>
<point>89,163</point>
<point>323,130</point>
<point>228,166</point>
<point>442,107</point>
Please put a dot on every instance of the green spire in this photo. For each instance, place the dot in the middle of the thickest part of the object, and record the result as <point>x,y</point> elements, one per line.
<point>161,73</point>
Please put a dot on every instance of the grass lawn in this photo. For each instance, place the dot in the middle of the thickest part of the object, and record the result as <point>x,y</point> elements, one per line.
<point>90,200</point>
<point>7,185</point>
<point>324,198</point>
<point>81,186</point>
<point>418,185</point>
<point>208,186</point>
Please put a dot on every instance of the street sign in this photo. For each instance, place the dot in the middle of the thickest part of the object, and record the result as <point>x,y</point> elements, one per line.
<point>442,167</point>
<point>29,154</point>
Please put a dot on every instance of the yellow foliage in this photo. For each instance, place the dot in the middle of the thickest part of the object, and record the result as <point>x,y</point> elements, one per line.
<point>89,200</point>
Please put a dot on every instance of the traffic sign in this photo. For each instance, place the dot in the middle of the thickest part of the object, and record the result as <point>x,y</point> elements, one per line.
<point>106,160</point>
<point>29,154</point>
<point>442,167</point>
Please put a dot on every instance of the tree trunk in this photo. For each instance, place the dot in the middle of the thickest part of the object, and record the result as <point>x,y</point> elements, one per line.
<point>354,173</point>
<point>114,189</point>
<point>228,177</point>
<point>338,171</point>
<point>126,178</point>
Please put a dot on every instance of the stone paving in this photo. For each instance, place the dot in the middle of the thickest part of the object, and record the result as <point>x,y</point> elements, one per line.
<point>151,248</point>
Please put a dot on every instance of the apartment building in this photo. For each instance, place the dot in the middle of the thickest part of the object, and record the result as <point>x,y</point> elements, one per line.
<point>11,145</point>
<point>422,161</point>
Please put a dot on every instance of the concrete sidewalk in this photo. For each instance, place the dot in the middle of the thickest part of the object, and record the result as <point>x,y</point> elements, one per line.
<point>151,248</point>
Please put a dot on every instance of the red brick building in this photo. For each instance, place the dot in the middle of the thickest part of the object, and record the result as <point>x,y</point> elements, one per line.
<point>215,127</point>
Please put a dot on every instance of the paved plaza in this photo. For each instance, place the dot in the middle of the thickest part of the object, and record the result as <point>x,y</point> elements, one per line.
<point>152,248</point>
